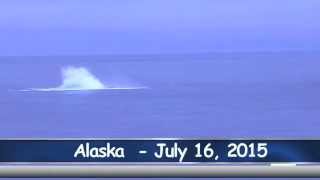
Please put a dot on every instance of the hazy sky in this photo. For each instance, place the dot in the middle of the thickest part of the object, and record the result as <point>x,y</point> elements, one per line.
<point>45,27</point>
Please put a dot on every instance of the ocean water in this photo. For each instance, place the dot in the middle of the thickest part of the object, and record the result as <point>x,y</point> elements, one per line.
<point>219,95</point>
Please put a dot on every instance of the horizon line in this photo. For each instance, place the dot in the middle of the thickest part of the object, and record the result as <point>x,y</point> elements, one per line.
<point>170,53</point>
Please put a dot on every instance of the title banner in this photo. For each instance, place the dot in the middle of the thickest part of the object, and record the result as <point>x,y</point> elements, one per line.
<point>159,151</point>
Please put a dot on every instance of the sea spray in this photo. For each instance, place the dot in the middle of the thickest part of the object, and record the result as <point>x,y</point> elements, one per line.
<point>79,79</point>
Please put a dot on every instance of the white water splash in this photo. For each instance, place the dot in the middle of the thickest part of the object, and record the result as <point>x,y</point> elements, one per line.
<point>80,78</point>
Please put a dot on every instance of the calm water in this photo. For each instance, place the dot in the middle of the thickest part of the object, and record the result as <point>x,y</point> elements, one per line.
<point>221,95</point>
<point>243,95</point>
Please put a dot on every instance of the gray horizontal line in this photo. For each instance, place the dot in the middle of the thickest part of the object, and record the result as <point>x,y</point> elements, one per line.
<point>159,163</point>
<point>133,171</point>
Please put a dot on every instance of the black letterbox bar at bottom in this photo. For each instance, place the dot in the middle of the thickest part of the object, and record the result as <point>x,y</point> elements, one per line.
<point>159,151</point>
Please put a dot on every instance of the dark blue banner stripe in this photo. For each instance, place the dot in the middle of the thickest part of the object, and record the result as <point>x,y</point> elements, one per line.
<point>160,151</point>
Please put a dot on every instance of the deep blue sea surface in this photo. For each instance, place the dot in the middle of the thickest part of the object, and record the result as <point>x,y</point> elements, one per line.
<point>206,95</point>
